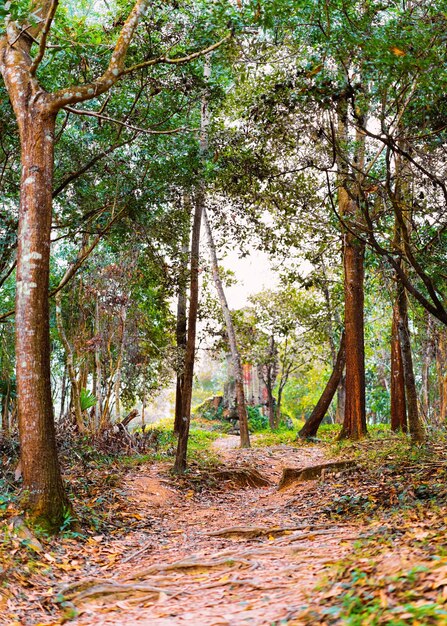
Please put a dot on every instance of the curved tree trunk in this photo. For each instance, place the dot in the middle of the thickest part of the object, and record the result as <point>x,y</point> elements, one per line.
<point>312,425</point>
<point>235,356</point>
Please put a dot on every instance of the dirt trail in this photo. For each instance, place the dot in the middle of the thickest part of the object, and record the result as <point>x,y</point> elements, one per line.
<point>220,557</point>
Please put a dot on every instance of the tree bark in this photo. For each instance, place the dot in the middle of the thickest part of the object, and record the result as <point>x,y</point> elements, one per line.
<point>398,400</point>
<point>354,424</point>
<point>182,443</point>
<point>232,341</point>
<point>45,498</point>
<point>312,425</point>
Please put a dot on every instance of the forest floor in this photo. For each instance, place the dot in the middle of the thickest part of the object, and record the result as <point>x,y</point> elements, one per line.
<point>215,548</point>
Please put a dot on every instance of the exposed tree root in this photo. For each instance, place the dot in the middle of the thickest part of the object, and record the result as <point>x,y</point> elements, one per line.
<point>291,475</point>
<point>241,477</point>
<point>190,565</point>
<point>251,532</point>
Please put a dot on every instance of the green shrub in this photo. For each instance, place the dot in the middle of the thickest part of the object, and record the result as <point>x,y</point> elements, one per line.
<point>256,420</point>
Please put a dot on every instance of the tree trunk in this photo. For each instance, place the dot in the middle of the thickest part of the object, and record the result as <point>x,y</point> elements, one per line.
<point>341,401</point>
<point>97,390</point>
<point>5,408</point>
<point>180,334</point>
<point>312,425</point>
<point>117,383</point>
<point>441,369</point>
<point>415,425</point>
<point>427,361</point>
<point>354,424</point>
<point>398,401</point>
<point>235,356</point>
<point>182,444</point>
<point>35,110</point>
<point>42,483</point>
<point>271,403</point>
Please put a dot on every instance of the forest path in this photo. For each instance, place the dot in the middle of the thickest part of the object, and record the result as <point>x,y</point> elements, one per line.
<point>219,555</point>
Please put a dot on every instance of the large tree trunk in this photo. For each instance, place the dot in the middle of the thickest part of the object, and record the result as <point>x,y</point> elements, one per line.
<point>354,424</point>
<point>182,444</point>
<point>312,425</point>
<point>42,482</point>
<point>235,356</point>
<point>398,401</point>
<point>35,111</point>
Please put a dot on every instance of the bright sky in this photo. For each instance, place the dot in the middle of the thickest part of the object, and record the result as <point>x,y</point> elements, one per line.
<point>253,274</point>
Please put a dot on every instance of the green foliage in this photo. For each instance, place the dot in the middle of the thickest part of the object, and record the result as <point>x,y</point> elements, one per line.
<point>256,420</point>
<point>87,399</point>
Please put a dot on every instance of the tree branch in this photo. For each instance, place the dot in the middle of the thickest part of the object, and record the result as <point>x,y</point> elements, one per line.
<point>147,131</point>
<point>43,40</point>
<point>80,93</point>
<point>176,60</point>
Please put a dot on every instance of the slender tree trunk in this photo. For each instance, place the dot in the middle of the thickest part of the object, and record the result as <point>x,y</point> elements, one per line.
<point>117,383</point>
<point>180,333</point>
<point>312,425</point>
<point>427,361</point>
<point>63,392</point>
<point>75,387</point>
<point>354,424</point>
<point>5,408</point>
<point>271,402</point>
<point>182,444</point>
<point>235,356</point>
<point>98,365</point>
<point>341,401</point>
<point>398,401</point>
<point>415,425</point>
<point>45,498</point>
<point>441,370</point>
